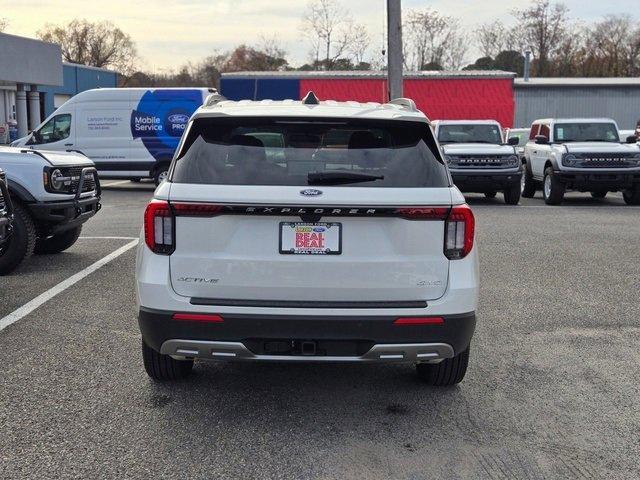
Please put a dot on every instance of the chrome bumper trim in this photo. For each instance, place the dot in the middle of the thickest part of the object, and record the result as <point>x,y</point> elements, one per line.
<point>398,352</point>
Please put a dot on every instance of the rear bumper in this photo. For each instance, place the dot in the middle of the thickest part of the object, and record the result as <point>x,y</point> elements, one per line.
<point>588,181</point>
<point>485,182</point>
<point>280,337</point>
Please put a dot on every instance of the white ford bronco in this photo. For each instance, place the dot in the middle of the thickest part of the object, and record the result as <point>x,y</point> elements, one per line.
<point>478,159</point>
<point>308,231</point>
<point>53,194</point>
<point>586,155</point>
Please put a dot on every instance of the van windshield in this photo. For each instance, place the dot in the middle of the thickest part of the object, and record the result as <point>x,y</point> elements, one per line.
<point>303,151</point>
<point>585,132</point>
<point>469,133</point>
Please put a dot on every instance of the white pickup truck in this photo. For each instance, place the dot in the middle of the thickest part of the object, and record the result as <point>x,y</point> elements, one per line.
<point>478,158</point>
<point>583,154</point>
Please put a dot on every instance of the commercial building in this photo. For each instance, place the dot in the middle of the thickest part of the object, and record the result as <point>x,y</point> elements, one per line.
<point>34,82</point>
<point>617,98</point>
<point>439,94</point>
<point>26,65</point>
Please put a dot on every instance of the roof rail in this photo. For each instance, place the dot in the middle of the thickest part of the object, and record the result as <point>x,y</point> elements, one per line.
<point>404,103</point>
<point>214,98</point>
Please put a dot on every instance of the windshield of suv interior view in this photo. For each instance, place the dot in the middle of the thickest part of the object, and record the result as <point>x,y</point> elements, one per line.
<point>469,133</point>
<point>585,132</point>
<point>298,151</point>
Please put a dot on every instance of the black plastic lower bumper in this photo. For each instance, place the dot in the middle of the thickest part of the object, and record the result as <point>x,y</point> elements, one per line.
<point>338,335</point>
<point>593,181</point>
<point>65,215</point>
<point>485,182</point>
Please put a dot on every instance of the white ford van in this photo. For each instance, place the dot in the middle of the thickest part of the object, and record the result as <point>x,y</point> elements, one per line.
<point>127,132</point>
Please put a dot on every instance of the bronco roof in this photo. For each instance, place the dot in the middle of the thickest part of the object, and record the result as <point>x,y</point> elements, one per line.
<point>398,109</point>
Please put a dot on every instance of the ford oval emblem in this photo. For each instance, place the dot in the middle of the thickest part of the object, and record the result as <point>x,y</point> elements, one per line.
<point>310,192</point>
<point>178,118</point>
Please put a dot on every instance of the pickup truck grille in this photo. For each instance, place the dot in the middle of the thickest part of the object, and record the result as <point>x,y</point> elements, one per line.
<point>601,160</point>
<point>484,161</point>
<point>89,182</point>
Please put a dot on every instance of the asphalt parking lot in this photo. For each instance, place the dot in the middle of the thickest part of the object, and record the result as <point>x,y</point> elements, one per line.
<point>552,389</point>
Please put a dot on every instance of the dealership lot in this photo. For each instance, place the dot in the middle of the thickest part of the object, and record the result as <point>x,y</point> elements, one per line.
<point>551,391</point>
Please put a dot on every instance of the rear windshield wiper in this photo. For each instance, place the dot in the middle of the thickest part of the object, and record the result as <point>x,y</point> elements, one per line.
<point>329,177</point>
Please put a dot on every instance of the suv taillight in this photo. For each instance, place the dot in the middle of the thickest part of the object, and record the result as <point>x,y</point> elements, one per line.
<point>158,227</point>
<point>459,231</point>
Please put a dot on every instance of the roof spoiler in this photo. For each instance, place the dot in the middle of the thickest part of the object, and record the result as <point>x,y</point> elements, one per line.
<point>213,99</point>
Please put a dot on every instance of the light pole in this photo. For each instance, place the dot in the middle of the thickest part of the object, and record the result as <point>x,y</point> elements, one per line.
<point>394,48</point>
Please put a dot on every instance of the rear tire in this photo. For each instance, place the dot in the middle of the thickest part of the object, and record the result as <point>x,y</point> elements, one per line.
<point>512,195</point>
<point>20,245</point>
<point>490,194</point>
<point>553,189</point>
<point>161,173</point>
<point>529,187</point>
<point>632,196</point>
<point>162,367</point>
<point>57,243</point>
<point>448,372</point>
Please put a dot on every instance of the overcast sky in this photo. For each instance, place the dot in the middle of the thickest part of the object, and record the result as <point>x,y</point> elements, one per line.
<point>170,33</point>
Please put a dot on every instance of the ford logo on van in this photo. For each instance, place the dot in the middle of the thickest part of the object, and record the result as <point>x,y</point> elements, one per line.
<point>178,118</point>
<point>310,192</point>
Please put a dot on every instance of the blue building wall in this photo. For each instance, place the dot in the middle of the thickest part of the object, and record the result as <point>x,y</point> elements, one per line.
<point>77,78</point>
<point>260,88</point>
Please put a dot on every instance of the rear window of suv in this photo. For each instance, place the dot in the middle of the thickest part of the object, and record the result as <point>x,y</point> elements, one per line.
<point>303,151</point>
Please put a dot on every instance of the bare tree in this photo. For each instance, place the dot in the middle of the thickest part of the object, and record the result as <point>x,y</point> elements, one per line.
<point>492,38</point>
<point>433,41</point>
<point>99,44</point>
<point>543,26</point>
<point>333,34</point>
<point>612,47</point>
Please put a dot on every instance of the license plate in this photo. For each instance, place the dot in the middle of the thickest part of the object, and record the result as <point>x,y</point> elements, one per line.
<point>298,238</point>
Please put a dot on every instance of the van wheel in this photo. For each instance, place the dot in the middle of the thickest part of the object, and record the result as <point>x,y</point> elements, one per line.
<point>528,183</point>
<point>490,194</point>
<point>161,174</point>
<point>512,195</point>
<point>553,189</point>
<point>448,372</point>
<point>599,194</point>
<point>57,243</point>
<point>163,367</point>
<point>632,196</point>
<point>21,242</point>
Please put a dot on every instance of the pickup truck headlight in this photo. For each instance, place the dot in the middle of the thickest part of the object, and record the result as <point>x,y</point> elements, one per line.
<point>57,180</point>
<point>570,160</point>
<point>512,161</point>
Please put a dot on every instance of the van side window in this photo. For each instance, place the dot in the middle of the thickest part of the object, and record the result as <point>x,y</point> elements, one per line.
<point>56,129</point>
<point>534,131</point>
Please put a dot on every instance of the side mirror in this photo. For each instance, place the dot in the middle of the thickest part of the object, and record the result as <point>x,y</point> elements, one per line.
<point>514,141</point>
<point>541,140</point>
<point>632,139</point>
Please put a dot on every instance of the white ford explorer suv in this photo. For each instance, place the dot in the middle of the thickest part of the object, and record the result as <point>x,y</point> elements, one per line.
<point>308,231</point>
<point>586,155</point>
<point>478,158</point>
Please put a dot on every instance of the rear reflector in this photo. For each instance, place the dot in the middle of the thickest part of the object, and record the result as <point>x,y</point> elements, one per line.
<point>198,317</point>
<point>419,321</point>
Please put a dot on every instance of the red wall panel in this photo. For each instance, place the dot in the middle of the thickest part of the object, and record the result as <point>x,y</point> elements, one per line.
<point>446,99</point>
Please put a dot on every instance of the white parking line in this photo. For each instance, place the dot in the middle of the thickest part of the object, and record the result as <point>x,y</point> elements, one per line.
<point>30,306</point>
<point>113,184</point>
<point>107,238</point>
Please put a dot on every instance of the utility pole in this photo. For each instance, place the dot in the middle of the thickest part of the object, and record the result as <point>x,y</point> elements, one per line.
<point>394,48</point>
